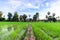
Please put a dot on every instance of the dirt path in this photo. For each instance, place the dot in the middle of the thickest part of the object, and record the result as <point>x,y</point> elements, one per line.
<point>29,34</point>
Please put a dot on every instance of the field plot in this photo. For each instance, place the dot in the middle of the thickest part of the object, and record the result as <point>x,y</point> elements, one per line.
<point>12,30</point>
<point>46,31</point>
<point>18,30</point>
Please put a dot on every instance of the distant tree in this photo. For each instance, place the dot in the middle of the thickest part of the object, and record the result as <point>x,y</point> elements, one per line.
<point>9,16</point>
<point>48,13</point>
<point>37,15</point>
<point>54,19</point>
<point>34,18</point>
<point>1,14</point>
<point>48,16</point>
<point>21,18</point>
<point>30,19</point>
<point>53,14</point>
<point>24,17</point>
<point>15,17</point>
<point>1,18</point>
<point>51,18</point>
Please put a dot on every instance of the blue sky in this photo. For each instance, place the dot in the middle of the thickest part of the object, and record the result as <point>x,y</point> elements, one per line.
<point>30,7</point>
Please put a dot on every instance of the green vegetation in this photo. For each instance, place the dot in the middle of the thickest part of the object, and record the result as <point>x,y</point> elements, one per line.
<point>42,30</point>
<point>13,30</point>
<point>47,30</point>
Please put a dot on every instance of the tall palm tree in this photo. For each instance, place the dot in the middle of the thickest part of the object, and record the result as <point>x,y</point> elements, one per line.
<point>9,16</point>
<point>24,17</point>
<point>37,15</point>
<point>15,17</point>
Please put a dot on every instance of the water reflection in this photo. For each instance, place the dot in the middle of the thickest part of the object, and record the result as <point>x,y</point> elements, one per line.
<point>6,31</point>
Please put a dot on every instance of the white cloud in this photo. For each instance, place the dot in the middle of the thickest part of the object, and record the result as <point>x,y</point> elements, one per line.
<point>47,4</point>
<point>15,4</point>
<point>54,8</point>
<point>29,5</point>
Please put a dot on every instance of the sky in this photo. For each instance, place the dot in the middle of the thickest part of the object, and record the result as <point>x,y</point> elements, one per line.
<point>30,7</point>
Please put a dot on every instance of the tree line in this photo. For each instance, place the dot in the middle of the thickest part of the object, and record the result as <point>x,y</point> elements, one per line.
<point>17,18</point>
<point>23,18</point>
<point>51,18</point>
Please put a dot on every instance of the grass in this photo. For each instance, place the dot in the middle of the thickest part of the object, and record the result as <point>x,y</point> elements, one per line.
<point>18,27</point>
<point>51,29</point>
<point>42,30</point>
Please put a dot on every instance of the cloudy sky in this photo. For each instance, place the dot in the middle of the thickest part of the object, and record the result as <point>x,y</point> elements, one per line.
<point>30,7</point>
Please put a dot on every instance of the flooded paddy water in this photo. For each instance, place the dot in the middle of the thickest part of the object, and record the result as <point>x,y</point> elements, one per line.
<point>5,31</point>
<point>12,32</point>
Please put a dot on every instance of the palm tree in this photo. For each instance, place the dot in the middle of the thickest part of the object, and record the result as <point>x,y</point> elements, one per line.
<point>53,14</point>
<point>48,13</point>
<point>21,18</point>
<point>54,19</point>
<point>48,16</point>
<point>24,17</point>
<point>15,17</point>
<point>37,15</point>
<point>34,18</point>
<point>9,16</point>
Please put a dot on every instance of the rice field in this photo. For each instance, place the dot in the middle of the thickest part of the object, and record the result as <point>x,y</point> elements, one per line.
<point>18,30</point>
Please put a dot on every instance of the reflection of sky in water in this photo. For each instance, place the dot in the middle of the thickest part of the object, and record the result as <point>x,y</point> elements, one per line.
<point>5,32</point>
